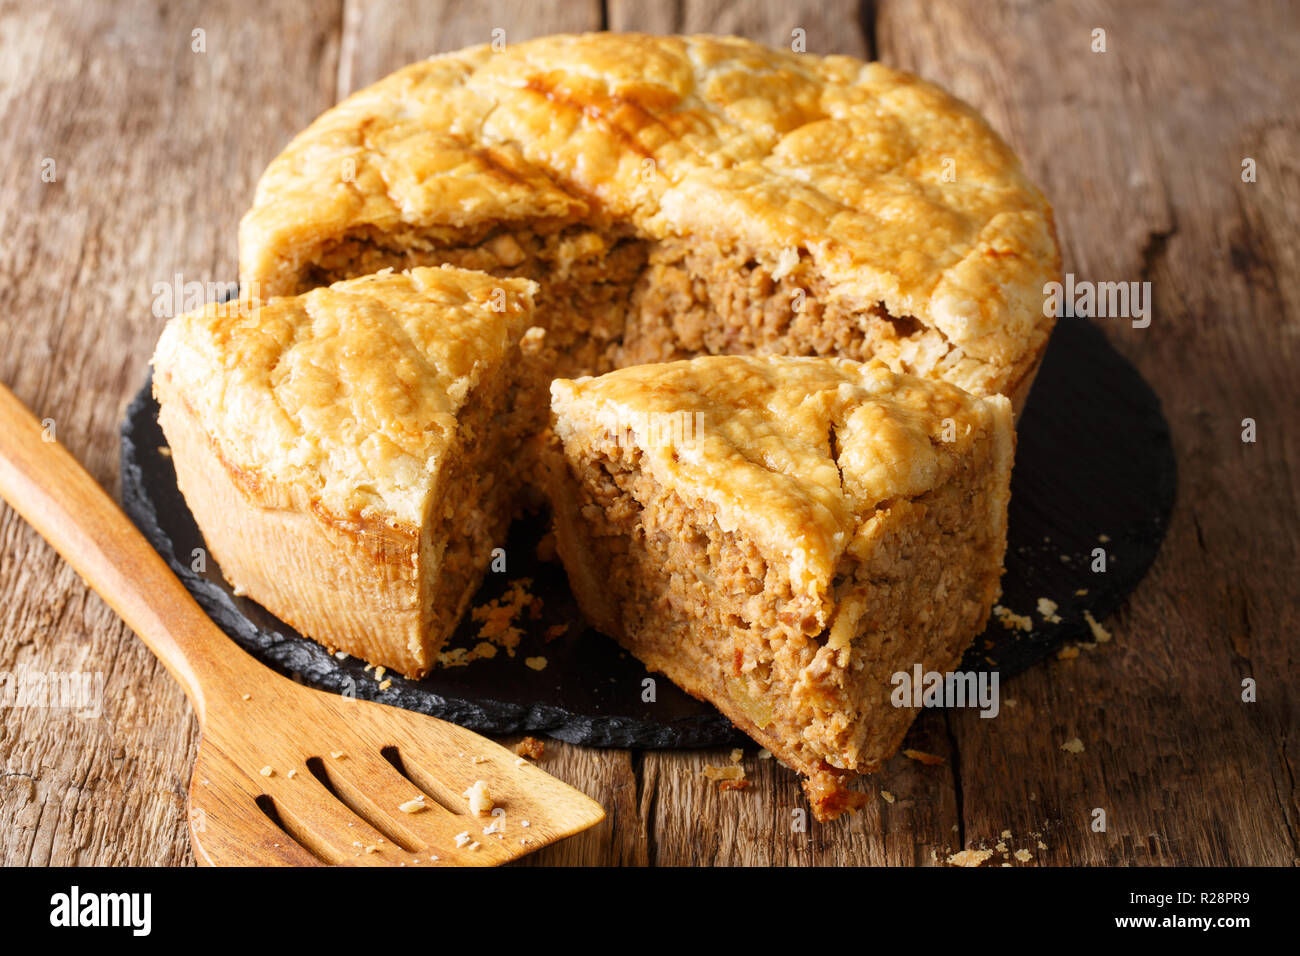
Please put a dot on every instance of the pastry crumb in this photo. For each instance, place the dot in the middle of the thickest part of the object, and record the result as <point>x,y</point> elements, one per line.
<point>480,800</point>
<point>536,663</point>
<point>1012,621</point>
<point>1099,633</point>
<point>729,772</point>
<point>266,771</point>
<point>970,858</point>
<point>1024,856</point>
<point>414,805</point>
<point>920,756</point>
<point>886,796</point>
<point>1067,653</point>
<point>497,617</point>
<point>1074,745</point>
<point>830,798</point>
<point>1047,610</point>
<point>530,747</point>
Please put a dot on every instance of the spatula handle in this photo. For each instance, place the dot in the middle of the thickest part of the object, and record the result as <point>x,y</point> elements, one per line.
<point>43,483</point>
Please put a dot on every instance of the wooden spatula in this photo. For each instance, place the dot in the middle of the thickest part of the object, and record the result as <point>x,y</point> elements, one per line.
<point>286,774</point>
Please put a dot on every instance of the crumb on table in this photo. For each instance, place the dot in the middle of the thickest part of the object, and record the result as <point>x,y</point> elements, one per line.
<point>920,756</point>
<point>530,747</point>
<point>729,772</point>
<point>970,858</point>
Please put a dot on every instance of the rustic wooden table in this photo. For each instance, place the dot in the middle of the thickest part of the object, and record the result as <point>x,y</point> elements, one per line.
<point>132,152</point>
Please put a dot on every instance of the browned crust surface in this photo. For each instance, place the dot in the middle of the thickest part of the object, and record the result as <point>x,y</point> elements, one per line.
<point>351,455</point>
<point>908,204</point>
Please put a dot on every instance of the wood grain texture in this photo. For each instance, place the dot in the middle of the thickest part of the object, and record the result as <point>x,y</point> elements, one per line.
<point>156,150</point>
<point>346,780</point>
<point>1140,148</point>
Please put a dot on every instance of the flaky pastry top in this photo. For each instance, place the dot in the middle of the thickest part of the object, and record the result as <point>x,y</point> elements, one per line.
<point>345,398</point>
<point>894,191</point>
<point>797,453</point>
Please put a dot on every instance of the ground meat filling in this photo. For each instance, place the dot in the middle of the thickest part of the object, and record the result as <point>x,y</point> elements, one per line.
<point>610,298</point>
<point>807,676</point>
<point>476,506</point>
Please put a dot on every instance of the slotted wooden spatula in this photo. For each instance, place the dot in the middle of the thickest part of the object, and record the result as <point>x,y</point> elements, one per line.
<point>286,774</point>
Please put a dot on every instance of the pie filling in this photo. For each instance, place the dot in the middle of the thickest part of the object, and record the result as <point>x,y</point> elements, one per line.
<point>611,298</point>
<point>479,497</point>
<point>809,677</point>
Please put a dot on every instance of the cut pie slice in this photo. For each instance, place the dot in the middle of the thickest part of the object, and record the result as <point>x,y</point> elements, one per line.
<point>350,455</point>
<point>781,536</point>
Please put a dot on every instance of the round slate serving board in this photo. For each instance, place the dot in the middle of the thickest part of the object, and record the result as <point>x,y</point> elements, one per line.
<point>1094,469</point>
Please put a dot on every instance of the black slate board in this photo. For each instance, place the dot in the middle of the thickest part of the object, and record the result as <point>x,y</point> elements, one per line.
<point>1094,458</point>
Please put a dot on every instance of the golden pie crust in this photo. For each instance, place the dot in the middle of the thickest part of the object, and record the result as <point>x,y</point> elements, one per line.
<point>349,454</point>
<point>885,202</point>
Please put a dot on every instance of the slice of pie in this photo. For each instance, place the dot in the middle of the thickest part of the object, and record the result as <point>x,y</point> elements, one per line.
<point>781,536</point>
<point>351,454</point>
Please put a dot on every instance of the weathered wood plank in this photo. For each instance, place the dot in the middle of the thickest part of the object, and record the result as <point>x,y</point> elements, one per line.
<point>1140,147</point>
<point>381,35</point>
<point>830,26</point>
<point>610,777</point>
<point>155,148</point>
